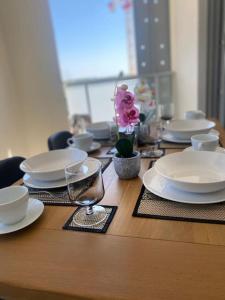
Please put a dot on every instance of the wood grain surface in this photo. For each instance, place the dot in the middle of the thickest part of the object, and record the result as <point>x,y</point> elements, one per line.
<point>137,258</point>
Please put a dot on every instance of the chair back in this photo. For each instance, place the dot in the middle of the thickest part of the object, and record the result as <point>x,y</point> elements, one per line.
<point>10,171</point>
<point>58,140</point>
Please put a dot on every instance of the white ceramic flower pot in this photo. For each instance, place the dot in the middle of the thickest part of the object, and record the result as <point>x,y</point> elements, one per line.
<point>127,168</point>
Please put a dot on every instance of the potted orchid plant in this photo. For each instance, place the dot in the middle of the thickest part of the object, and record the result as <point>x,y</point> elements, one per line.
<point>126,160</point>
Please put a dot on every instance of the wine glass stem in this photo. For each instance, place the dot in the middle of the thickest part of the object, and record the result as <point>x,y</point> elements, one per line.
<point>89,210</point>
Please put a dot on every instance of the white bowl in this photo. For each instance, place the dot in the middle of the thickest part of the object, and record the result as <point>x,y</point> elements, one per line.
<point>13,204</point>
<point>184,129</point>
<point>197,171</point>
<point>49,166</point>
<point>100,130</point>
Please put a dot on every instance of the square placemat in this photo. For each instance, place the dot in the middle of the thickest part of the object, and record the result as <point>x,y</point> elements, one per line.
<point>99,228</point>
<point>59,196</point>
<point>170,145</point>
<point>149,205</point>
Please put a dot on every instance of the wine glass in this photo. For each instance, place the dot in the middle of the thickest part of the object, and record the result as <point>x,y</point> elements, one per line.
<point>166,112</point>
<point>86,193</point>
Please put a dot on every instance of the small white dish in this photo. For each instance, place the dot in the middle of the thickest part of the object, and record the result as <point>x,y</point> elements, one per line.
<point>13,204</point>
<point>184,129</point>
<point>88,168</point>
<point>168,137</point>
<point>81,141</point>
<point>193,171</point>
<point>94,146</point>
<point>49,166</point>
<point>218,149</point>
<point>205,142</point>
<point>34,210</point>
<point>194,115</point>
<point>162,188</point>
<point>100,130</point>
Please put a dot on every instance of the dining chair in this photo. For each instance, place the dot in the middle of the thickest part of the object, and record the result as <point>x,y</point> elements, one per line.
<point>10,171</point>
<point>58,140</point>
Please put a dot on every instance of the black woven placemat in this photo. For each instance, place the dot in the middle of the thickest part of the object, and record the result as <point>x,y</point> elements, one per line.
<point>149,205</point>
<point>170,145</point>
<point>99,228</point>
<point>59,196</point>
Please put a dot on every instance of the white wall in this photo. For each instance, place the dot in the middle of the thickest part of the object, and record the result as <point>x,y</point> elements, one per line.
<point>33,94</point>
<point>184,53</point>
<point>12,135</point>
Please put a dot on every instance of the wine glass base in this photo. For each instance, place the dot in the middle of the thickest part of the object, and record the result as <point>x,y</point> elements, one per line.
<point>82,219</point>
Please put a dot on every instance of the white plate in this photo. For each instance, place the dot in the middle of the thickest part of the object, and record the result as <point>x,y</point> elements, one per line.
<point>100,130</point>
<point>34,210</point>
<point>162,188</point>
<point>170,138</point>
<point>218,149</point>
<point>184,129</point>
<point>95,146</point>
<point>49,166</point>
<point>194,171</point>
<point>88,168</point>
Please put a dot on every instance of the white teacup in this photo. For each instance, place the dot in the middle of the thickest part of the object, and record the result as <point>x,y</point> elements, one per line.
<point>194,115</point>
<point>81,141</point>
<point>205,142</point>
<point>13,204</point>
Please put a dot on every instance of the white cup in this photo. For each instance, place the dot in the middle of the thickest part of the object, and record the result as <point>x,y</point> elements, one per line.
<point>13,204</point>
<point>194,115</point>
<point>81,141</point>
<point>205,142</point>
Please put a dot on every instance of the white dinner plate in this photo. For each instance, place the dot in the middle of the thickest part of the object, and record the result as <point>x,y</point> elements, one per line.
<point>34,210</point>
<point>100,130</point>
<point>94,146</point>
<point>162,188</point>
<point>168,137</point>
<point>218,149</point>
<point>184,129</point>
<point>88,168</point>
<point>194,171</point>
<point>49,166</point>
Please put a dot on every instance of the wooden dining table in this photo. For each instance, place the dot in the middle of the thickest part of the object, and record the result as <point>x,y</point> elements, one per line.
<point>137,258</point>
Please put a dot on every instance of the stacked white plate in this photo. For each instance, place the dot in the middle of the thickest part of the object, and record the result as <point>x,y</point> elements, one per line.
<point>100,130</point>
<point>190,177</point>
<point>180,131</point>
<point>47,170</point>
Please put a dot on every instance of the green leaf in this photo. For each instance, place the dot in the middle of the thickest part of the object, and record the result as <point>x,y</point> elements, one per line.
<point>124,147</point>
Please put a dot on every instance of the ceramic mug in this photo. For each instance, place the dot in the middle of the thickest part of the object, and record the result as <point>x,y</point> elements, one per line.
<point>81,141</point>
<point>13,204</point>
<point>194,115</point>
<point>205,142</point>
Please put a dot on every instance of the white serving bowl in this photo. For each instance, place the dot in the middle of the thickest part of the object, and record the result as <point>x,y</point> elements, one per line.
<point>197,171</point>
<point>184,129</point>
<point>49,166</point>
<point>100,130</point>
<point>13,204</point>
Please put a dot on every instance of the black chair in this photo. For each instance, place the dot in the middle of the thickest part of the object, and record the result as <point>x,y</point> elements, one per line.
<point>58,140</point>
<point>10,171</point>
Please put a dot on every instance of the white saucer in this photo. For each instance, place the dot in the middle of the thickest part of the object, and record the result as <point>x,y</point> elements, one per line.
<point>170,138</point>
<point>218,149</point>
<point>95,146</point>
<point>34,210</point>
<point>88,168</point>
<point>162,188</point>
